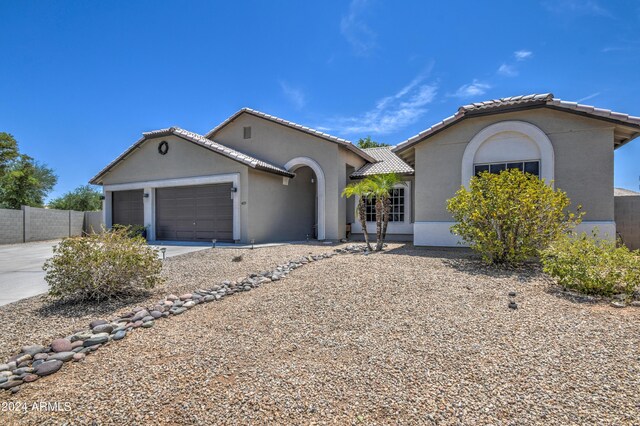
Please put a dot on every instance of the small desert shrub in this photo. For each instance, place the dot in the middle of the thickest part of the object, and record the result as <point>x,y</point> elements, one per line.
<point>102,266</point>
<point>509,217</point>
<point>593,266</point>
<point>131,230</point>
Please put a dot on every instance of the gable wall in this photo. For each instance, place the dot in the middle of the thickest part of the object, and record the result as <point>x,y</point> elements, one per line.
<point>583,151</point>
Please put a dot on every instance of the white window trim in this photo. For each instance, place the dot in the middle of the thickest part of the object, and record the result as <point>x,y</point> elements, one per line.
<point>150,205</point>
<point>405,227</point>
<point>547,161</point>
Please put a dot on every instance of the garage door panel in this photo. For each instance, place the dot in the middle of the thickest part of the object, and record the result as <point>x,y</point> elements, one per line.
<point>195,213</point>
<point>127,207</point>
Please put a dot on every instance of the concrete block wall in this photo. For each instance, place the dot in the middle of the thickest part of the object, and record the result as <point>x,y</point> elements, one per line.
<point>45,224</point>
<point>11,226</point>
<point>93,222</point>
<point>37,224</point>
<point>627,216</point>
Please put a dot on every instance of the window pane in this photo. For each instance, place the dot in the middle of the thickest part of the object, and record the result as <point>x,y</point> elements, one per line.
<point>481,168</point>
<point>532,167</point>
<point>515,166</point>
<point>497,168</point>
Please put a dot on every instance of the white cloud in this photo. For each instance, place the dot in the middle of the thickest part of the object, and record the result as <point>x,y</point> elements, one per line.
<point>521,55</point>
<point>293,94</point>
<point>356,31</point>
<point>390,113</point>
<point>475,88</point>
<point>507,70</point>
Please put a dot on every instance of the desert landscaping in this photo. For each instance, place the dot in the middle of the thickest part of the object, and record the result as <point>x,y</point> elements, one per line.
<point>406,335</point>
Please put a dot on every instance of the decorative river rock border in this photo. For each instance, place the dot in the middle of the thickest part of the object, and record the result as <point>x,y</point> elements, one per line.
<point>35,361</point>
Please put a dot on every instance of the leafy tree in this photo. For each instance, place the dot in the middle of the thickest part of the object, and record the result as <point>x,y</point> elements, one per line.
<point>376,188</point>
<point>382,186</point>
<point>511,216</point>
<point>8,151</point>
<point>83,198</point>
<point>369,143</point>
<point>362,190</point>
<point>25,183</point>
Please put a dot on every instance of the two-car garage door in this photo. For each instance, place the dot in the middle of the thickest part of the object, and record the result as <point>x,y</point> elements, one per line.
<point>186,213</point>
<point>195,213</point>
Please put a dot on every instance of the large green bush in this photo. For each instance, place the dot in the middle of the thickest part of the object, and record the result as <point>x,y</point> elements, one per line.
<point>102,266</point>
<point>592,265</point>
<point>509,217</point>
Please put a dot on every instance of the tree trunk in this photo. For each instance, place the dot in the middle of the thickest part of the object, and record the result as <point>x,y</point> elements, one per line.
<point>387,212</point>
<point>362,210</point>
<point>379,214</point>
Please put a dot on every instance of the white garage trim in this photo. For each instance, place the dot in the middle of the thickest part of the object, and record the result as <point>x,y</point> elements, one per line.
<point>298,162</point>
<point>532,132</point>
<point>150,186</point>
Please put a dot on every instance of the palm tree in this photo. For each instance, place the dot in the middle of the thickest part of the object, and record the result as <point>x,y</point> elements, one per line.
<point>362,190</point>
<point>381,187</point>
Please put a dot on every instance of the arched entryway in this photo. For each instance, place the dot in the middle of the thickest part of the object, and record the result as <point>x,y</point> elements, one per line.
<point>303,163</point>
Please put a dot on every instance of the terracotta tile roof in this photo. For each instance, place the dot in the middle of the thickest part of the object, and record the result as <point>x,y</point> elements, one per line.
<point>387,162</point>
<point>343,142</point>
<point>527,101</point>
<point>205,143</point>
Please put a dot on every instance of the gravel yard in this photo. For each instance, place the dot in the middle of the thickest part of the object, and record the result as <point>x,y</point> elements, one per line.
<point>405,336</point>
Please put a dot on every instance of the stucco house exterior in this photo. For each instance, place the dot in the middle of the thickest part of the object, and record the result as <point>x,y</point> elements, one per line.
<point>256,177</point>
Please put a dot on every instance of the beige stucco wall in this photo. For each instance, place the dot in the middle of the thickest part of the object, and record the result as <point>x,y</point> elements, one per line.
<point>279,212</point>
<point>583,150</point>
<point>184,159</point>
<point>278,144</point>
<point>627,211</point>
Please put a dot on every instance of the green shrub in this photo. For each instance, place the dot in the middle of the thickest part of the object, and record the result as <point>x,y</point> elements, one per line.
<point>131,230</point>
<point>509,217</point>
<point>102,266</point>
<point>593,266</point>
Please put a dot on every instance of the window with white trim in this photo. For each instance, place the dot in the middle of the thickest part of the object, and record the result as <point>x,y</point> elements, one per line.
<point>397,198</point>
<point>532,167</point>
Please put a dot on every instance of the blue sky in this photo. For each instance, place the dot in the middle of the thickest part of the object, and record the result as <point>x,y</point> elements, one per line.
<point>81,80</point>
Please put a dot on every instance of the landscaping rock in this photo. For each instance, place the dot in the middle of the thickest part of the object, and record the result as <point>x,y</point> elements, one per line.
<point>139,315</point>
<point>30,378</point>
<point>98,322</point>
<point>10,384</point>
<point>33,349</point>
<point>147,318</point>
<point>190,304</point>
<point>119,335</point>
<point>102,328</point>
<point>177,311</point>
<point>155,314</point>
<point>4,367</point>
<point>48,367</point>
<point>37,363</point>
<point>61,345</point>
<point>186,296</point>
<point>147,324</point>
<point>22,358</point>
<point>96,339</point>
<point>618,304</point>
<point>77,344</point>
<point>62,356</point>
<point>78,357</point>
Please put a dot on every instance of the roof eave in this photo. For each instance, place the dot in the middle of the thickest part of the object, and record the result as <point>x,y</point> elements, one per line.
<point>253,113</point>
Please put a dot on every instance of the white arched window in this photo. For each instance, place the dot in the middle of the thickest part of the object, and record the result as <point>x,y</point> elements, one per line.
<point>506,145</point>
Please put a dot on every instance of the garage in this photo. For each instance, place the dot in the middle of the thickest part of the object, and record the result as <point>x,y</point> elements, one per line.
<point>195,213</point>
<point>128,207</point>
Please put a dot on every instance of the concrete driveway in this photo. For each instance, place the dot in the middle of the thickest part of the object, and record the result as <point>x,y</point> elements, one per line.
<point>21,273</point>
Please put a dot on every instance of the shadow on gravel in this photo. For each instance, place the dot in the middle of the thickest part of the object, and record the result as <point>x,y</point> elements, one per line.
<point>573,297</point>
<point>79,308</point>
<point>463,259</point>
